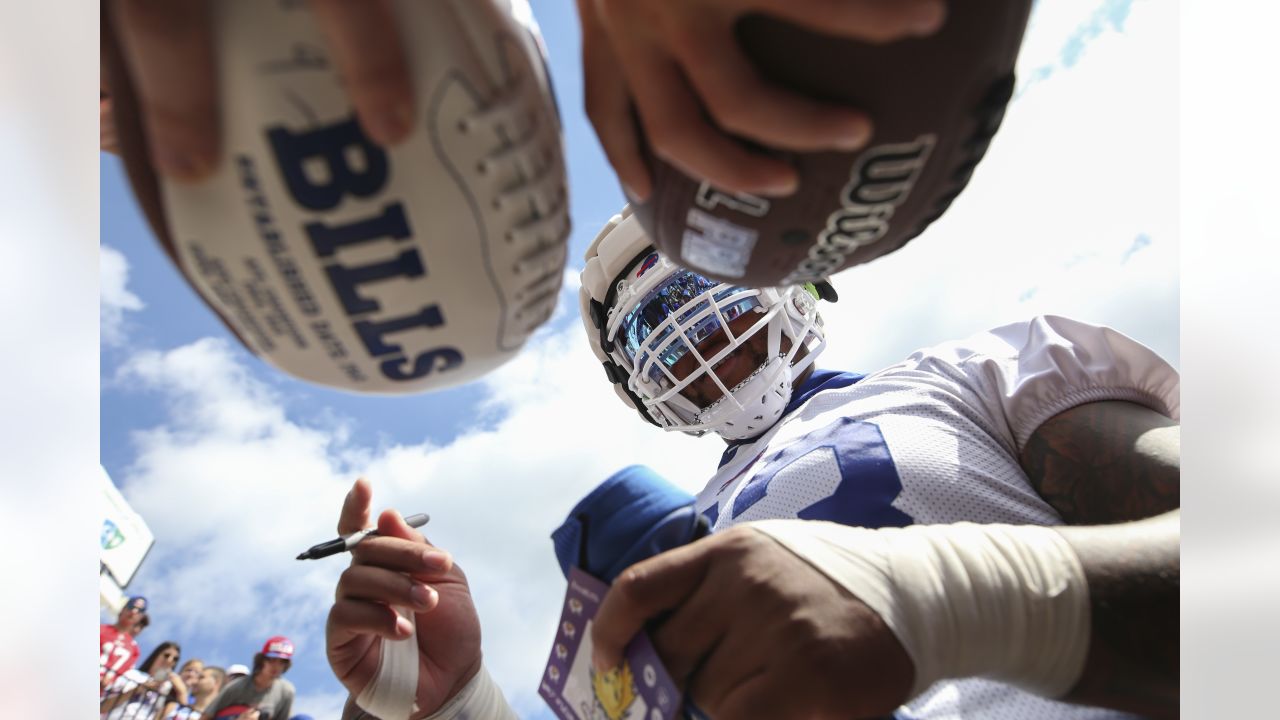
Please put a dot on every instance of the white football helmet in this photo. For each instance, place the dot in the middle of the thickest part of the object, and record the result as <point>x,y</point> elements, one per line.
<point>644,314</point>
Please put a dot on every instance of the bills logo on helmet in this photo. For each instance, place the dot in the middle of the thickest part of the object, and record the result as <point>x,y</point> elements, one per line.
<point>648,263</point>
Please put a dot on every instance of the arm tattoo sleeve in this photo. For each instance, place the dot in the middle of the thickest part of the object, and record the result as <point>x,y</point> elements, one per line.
<point>1105,462</point>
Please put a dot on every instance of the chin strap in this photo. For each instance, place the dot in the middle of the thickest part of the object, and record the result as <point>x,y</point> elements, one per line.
<point>391,694</point>
<point>822,290</point>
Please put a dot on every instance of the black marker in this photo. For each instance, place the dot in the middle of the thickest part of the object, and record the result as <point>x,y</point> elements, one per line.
<point>343,544</point>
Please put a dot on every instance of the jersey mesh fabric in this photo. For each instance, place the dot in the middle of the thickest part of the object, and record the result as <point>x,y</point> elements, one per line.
<point>935,439</point>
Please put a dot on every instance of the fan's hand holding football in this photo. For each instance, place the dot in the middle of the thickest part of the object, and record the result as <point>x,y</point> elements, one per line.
<point>774,655</point>
<point>168,48</point>
<point>679,64</point>
<point>399,567</point>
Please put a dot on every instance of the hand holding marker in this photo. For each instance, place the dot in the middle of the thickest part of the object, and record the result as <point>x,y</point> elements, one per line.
<point>344,544</point>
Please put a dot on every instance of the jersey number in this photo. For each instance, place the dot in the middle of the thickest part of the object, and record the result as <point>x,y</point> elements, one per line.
<point>121,654</point>
<point>868,480</point>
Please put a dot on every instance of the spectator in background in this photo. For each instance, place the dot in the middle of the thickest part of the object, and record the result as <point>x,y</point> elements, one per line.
<point>235,672</point>
<point>208,686</point>
<point>190,673</point>
<point>203,691</point>
<point>119,650</point>
<point>151,691</point>
<point>262,695</point>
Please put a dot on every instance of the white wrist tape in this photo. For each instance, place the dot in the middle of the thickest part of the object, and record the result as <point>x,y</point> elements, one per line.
<point>1001,601</point>
<point>480,699</point>
<point>391,694</point>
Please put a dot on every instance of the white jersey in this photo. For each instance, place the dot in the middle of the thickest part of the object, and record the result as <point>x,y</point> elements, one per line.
<point>936,439</point>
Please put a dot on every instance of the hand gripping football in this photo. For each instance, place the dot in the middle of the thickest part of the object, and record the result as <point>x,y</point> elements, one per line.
<point>935,101</point>
<point>353,266</point>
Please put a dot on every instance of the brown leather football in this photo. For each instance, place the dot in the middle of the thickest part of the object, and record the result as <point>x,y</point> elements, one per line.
<point>936,103</point>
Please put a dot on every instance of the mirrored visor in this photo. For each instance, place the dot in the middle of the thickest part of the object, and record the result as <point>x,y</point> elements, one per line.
<point>688,294</point>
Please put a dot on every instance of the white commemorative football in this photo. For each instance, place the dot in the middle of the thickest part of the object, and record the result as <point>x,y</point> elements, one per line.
<point>349,265</point>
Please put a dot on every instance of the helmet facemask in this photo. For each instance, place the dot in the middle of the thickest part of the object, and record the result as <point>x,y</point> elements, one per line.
<point>670,330</point>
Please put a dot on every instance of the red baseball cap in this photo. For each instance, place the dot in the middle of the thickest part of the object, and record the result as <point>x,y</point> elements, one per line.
<point>278,647</point>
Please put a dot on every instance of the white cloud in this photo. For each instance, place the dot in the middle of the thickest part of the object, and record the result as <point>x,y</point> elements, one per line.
<point>1077,172</point>
<point>229,485</point>
<point>115,297</point>
<point>233,486</point>
<point>1060,34</point>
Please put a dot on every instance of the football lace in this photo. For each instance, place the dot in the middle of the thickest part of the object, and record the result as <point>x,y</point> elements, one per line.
<point>527,157</point>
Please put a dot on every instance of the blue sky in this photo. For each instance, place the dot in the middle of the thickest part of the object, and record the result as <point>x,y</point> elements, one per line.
<point>236,468</point>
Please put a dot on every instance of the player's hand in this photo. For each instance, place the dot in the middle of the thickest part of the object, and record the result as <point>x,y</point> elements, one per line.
<point>755,631</point>
<point>678,62</point>
<point>400,567</point>
<point>169,51</point>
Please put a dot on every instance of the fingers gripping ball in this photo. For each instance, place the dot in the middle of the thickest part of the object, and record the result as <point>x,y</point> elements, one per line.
<point>351,265</point>
<point>936,103</point>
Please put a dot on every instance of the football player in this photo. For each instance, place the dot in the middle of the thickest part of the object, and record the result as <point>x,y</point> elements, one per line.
<point>1044,423</point>
<point>891,542</point>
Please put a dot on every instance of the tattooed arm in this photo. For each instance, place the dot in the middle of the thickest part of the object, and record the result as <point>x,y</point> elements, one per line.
<point>1106,463</point>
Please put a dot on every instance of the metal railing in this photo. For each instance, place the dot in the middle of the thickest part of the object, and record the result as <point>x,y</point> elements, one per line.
<point>127,700</point>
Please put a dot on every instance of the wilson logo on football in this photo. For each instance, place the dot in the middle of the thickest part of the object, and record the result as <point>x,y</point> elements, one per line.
<point>879,182</point>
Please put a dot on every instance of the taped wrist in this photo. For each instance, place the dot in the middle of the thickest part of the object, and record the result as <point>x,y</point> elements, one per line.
<point>391,694</point>
<point>480,699</point>
<point>1001,601</point>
